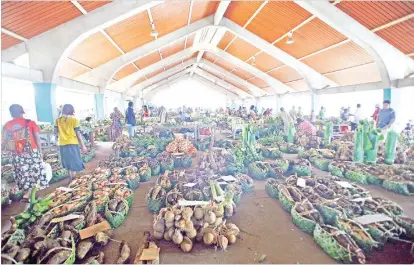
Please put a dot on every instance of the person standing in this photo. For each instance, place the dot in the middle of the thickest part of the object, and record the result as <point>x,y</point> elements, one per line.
<point>292,113</point>
<point>145,113</point>
<point>376,114</point>
<point>286,119</point>
<point>386,117</point>
<point>313,117</point>
<point>321,115</point>
<point>130,119</point>
<point>116,126</point>
<point>67,128</point>
<point>21,138</point>
<point>252,113</point>
<point>357,117</point>
<point>300,113</point>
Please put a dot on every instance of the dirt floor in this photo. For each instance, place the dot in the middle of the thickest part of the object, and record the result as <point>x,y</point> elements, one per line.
<point>266,229</point>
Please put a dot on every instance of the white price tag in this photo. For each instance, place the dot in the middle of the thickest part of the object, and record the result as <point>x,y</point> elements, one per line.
<point>372,218</point>
<point>190,185</point>
<point>222,183</point>
<point>301,182</point>
<point>228,178</point>
<point>344,184</point>
<point>192,203</point>
<point>360,199</point>
<point>65,189</point>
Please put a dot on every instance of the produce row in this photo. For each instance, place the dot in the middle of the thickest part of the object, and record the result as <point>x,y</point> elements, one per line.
<point>335,213</point>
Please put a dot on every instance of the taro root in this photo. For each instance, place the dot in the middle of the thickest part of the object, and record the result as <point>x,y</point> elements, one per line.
<point>101,238</point>
<point>91,213</point>
<point>124,253</point>
<point>60,257</point>
<point>186,245</point>
<point>22,255</point>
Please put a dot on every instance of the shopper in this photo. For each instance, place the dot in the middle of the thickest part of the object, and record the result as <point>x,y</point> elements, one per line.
<point>116,126</point>
<point>21,138</point>
<point>252,114</point>
<point>145,113</point>
<point>305,127</point>
<point>67,128</point>
<point>300,113</point>
<point>286,119</point>
<point>357,117</point>
<point>292,113</point>
<point>130,119</point>
<point>313,117</point>
<point>376,113</point>
<point>321,115</point>
<point>386,117</point>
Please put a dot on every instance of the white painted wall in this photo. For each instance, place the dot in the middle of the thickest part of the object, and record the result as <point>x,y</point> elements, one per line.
<point>84,103</point>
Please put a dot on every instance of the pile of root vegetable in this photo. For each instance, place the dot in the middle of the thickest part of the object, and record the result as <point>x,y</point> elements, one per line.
<point>180,145</point>
<point>220,161</point>
<point>92,199</point>
<point>328,208</point>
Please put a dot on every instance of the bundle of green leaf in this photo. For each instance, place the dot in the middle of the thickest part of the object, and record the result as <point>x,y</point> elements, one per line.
<point>390,147</point>
<point>249,145</point>
<point>271,140</point>
<point>291,133</point>
<point>328,133</point>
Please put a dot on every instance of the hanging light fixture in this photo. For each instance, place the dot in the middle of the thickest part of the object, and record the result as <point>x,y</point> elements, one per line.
<point>290,38</point>
<point>254,61</point>
<point>154,32</point>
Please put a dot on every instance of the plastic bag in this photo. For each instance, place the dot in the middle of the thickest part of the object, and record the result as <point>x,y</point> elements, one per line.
<point>48,170</point>
<point>359,146</point>
<point>390,146</point>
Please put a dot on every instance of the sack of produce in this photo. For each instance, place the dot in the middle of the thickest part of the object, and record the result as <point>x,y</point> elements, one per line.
<point>371,144</point>
<point>406,223</point>
<point>166,164</point>
<point>390,147</point>
<point>156,199</point>
<point>356,176</point>
<point>282,164</point>
<point>165,182</point>
<point>271,188</point>
<point>245,182</point>
<point>399,186</point>
<point>145,172</point>
<point>258,170</point>
<point>329,215</point>
<point>172,197</point>
<point>305,216</point>
<point>359,145</point>
<point>123,193</point>
<point>338,244</point>
<point>116,212</point>
<point>154,165</point>
<point>288,196</point>
<point>335,170</point>
<point>358,233</point>
<point>303,168</point>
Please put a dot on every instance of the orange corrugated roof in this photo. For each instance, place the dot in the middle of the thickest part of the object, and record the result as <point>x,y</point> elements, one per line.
<point>227,38</point>
<point>357,75</point>
<point>31,18</point>
<point>172,49</point>
<point>341,57</point>
<point>276,19</point>
<point>92,5</point>
<point>373,14</point>
<point>285,74</point>
<point>170,16</point>
<point>132,32</point>
<point>157,72</point>
<point>265,62</point>
<point>8,41</point>
<point>242,49</point>
<point>202,9</point>
<point>298,85</point>
<point>142,79</point>
<point>258,82</point>
<point>401,35</point>
<point>70,69</point>
<point>313,36</point>
<point>88,54</point>
<point>148,60</point>
<point>190,40</point>
<point>243,74</point>
<point>209,56</point>
<point>241,11</point>
<point>125,71</point>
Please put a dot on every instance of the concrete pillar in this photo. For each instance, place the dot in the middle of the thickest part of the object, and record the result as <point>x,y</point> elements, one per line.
<point>387,94</point>
<point>45,100</point>
<point>99,106</point>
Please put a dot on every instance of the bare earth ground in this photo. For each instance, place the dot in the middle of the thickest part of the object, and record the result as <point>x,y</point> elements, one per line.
<point>266,229</point>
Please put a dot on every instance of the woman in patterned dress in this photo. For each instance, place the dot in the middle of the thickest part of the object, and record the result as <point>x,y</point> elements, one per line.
<point>116,126</point>
<point>21,138</point>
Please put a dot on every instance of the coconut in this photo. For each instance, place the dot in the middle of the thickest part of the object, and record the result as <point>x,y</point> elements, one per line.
<point>231,238</point>
<point>159,225</point>
<point>192,233</point>
<point>208,238</point>
<point>198,212</point>
<point>177,237</point>
<point>169,216</point>
<point>218,221</point>
<point>177,217</point>
<point>186,245</point>
<point>210,217</point>
<point>223,242</point>
<point>158,235</point>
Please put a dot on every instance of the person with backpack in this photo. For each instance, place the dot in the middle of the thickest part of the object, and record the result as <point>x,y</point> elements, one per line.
<point>67,127</point>
<point>21,138</point>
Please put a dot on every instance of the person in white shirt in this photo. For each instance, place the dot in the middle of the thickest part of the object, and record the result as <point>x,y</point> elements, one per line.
<point>357,117</point>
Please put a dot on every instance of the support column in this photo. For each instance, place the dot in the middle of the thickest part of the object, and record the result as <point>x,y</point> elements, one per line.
<point>387,94</point>
<point>99,106</point>
<point>45,100</point>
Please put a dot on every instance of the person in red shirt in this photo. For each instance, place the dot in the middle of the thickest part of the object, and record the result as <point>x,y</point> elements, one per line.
<point>376,114</point>
<point>21,138</point>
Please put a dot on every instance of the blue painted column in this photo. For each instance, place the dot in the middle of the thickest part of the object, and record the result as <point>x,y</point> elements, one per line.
<point>45,100</point>
<point>387,94</point>
<point>99,106</point>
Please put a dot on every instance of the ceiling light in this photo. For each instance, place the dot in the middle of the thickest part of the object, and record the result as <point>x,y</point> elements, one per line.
<point>154,33</point>
<point>254,61</point>
<point>290,38</point>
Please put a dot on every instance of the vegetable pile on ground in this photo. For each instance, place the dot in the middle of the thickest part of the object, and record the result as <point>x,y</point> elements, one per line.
<point>331,210</point>
<point>180,145</point>
<point>220,161</point>
<point>93,199</point>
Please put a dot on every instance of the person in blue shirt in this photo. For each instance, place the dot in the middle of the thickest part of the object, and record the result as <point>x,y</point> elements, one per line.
<point>130,119</point>
<point>386,116</point>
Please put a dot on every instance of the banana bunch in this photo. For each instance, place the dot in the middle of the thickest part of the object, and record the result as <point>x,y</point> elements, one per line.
<point>35,210</point>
